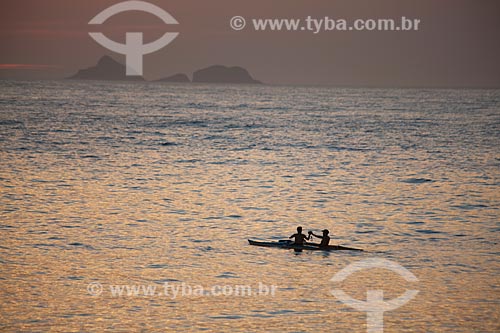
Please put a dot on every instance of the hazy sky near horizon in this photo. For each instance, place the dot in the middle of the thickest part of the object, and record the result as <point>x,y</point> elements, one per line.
<point>458,44</point>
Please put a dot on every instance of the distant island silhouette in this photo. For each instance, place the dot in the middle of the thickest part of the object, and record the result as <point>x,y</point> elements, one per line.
<point>111,70</point>
<point>223,74</point>
<point>106,69</point>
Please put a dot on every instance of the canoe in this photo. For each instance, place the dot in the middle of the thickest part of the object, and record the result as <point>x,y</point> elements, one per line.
<point>288,244</point>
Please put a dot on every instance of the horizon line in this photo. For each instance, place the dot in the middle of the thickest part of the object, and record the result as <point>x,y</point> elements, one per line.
<point>297,85</point>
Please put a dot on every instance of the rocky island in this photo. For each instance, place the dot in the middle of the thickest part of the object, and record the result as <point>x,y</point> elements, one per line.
<point>106,69</point>
<point>223,74</point>
<point>111,70</point>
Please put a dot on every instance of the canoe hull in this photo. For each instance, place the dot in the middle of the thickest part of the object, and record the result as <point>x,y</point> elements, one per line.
<point>285,244</point>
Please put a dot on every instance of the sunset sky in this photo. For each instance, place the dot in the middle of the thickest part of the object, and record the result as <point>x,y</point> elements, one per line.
<point>458,43</point>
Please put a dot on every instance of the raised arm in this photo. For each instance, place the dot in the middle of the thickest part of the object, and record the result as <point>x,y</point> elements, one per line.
<point>312,233</point>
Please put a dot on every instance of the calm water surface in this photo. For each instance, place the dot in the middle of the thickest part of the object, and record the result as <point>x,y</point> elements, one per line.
<point>143,184</point>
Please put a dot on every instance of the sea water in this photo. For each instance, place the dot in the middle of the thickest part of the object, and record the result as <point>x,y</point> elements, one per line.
<point>158,186</point>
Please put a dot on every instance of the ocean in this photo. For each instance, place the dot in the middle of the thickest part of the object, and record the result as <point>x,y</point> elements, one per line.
<point>153,189</point>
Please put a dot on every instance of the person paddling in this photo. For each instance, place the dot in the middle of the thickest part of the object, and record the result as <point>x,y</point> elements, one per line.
<point>325,239</point>
<point>299,237</point>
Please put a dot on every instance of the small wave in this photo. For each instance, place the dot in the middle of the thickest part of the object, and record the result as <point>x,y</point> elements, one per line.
<point>193,123</point>
<point>254,208</point>
<point>274,108</point>
<point>76,244</point>
<point>281,312</point>
<point>157,266</point>
<point>194,160</point>
<point>260,315</point>
<point>469,206</point>
<point>43,245</point>
<point>10,122</point>
<point>121,247</point>
<point>206,248</point>
<point>227,275</point>
<point>428,231</point>
<point>417,180</point>
<point>348,148</point>
<point>315,175</point>
<point>200,106</point>
<point>225,317</point>
<point>218,162</point>
<point>62,131</point>
<point>75,278</point>
<point>163,281</point>
<point>243,148</point>
<point>165,144</point>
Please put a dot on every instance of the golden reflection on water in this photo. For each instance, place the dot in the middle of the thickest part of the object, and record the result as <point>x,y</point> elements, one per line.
<point>79,226</point>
